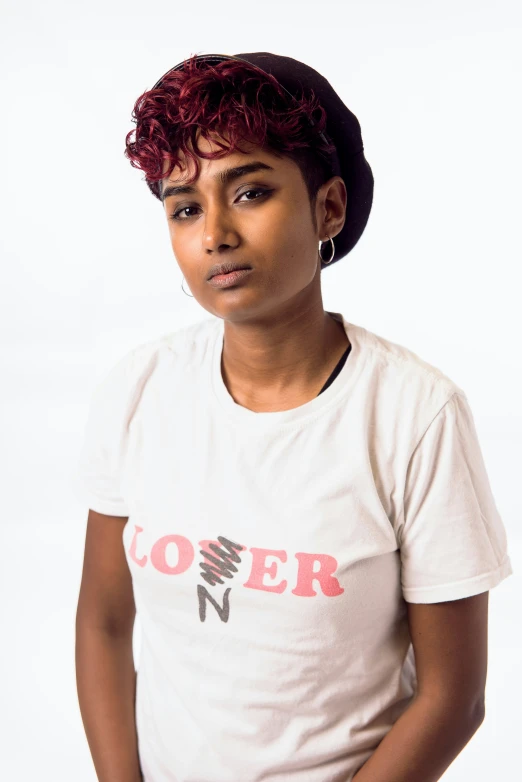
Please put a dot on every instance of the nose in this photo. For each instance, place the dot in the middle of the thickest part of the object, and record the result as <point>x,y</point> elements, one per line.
<point>218,229</point>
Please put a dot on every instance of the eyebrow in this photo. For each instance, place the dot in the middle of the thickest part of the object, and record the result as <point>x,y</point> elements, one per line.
<point>224,177</point>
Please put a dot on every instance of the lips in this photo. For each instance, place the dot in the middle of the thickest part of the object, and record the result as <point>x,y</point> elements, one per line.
<point>226,268</point>
<point>230,279</point>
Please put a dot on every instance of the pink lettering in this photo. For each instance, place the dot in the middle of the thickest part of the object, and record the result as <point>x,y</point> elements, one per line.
<point>306,574</point>
<point>185,554</point>
<point>221,555</point>
<point>132,551</point>
<point>259,569</point>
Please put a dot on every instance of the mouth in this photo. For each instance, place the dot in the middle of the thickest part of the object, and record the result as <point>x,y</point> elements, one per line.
<point>230,279</point>
<point>226,268</point>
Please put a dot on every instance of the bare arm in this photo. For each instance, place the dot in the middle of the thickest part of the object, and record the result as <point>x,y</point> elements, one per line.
<point>421,745</point>
<point>450,645</point>
<point>105,675</point>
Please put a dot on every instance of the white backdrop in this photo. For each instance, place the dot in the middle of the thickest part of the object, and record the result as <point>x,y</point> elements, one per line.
<point>88,273</point>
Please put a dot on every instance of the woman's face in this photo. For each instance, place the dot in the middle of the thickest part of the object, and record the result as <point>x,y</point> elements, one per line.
<point>259,218</point>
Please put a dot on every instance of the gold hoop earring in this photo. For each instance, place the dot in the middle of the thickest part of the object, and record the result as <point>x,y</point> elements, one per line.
<point>332,254</point>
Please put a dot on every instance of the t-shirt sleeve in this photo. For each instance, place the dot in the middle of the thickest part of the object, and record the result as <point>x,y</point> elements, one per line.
<point>97,479</point>
<point>451,537</point>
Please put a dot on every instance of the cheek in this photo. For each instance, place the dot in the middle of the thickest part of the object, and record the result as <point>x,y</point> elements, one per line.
<point>280,231</point>
<point>292,238</point>
<point>184,243</point>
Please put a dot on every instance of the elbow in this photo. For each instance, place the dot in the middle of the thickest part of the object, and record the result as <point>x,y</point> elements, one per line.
<point>465,715</point>
<point>479,711</point>
<point>471,715</point>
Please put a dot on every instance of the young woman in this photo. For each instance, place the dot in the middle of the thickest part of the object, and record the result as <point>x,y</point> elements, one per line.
<point>297,508</point>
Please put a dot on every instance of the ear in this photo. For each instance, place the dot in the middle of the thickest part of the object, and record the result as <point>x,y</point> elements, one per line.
<point>331,207</point>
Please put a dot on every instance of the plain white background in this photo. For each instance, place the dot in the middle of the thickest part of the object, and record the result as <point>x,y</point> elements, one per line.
<point>88,273</point>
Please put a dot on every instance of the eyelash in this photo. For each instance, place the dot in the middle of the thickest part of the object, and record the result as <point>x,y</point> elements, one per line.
<point>174,215</point>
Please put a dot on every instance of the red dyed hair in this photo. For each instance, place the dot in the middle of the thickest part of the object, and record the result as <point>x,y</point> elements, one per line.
<point>230,96</point>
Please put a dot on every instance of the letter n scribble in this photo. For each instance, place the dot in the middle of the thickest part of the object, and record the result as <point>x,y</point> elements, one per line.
<point>204,595</point>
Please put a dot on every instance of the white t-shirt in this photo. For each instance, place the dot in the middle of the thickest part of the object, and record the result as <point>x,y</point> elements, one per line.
<point>272,553</point>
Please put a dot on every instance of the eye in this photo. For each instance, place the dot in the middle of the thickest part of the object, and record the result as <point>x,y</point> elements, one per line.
<point>177,214</point>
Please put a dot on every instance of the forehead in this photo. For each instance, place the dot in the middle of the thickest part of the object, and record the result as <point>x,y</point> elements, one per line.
<point>248,151</point>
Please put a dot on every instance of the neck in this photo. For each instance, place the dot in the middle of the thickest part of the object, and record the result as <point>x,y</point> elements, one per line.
<point>281,364</point>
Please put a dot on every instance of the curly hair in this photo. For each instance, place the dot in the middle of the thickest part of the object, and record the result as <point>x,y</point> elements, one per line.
<point>231,96</point>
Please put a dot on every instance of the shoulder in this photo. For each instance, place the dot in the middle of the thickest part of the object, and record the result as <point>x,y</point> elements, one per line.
<point>183,343</point>
<point>403,390</point>
<point>401,364</point>
<point>122,385</point>
<point>399,360</point>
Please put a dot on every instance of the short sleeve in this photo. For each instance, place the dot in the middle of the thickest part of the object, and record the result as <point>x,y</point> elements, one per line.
<point>97,480</point>
<point>451,538</point>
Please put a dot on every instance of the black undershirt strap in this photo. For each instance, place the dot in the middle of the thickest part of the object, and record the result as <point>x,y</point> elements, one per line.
<point>339,366</point>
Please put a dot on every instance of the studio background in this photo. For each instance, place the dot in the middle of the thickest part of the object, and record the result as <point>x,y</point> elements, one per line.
<point>88,274</point>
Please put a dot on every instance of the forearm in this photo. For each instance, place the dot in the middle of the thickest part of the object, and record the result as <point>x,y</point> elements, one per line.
<point>421,744</point>
<point>106,684</point>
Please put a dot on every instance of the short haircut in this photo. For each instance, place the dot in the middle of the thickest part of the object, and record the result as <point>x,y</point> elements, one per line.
<point>235,97</point>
